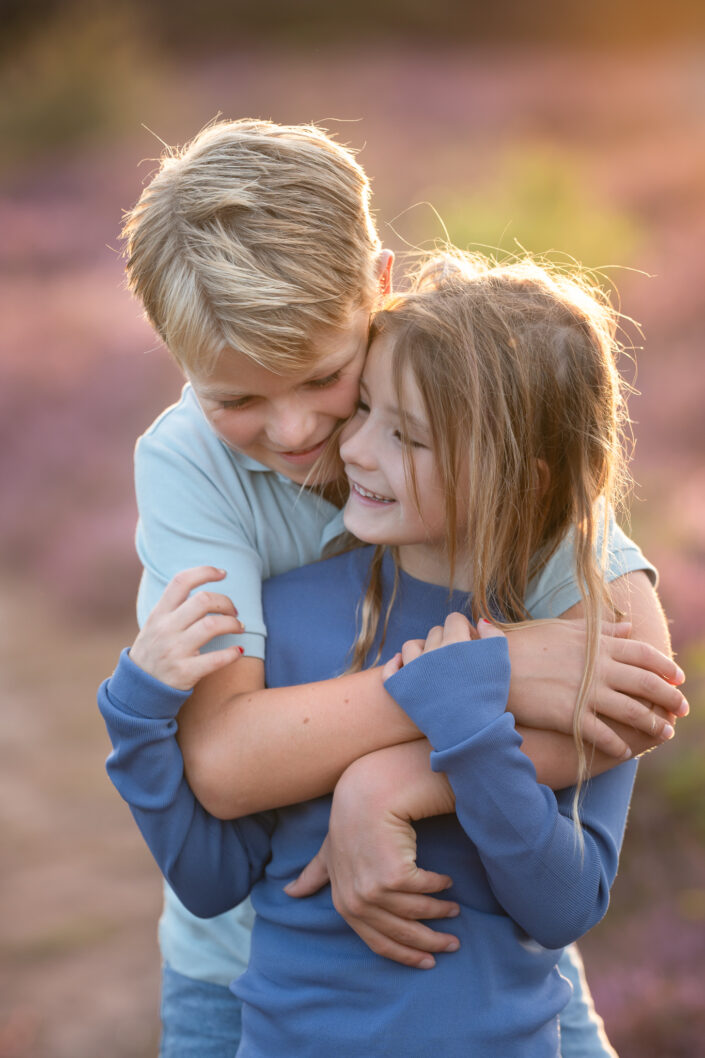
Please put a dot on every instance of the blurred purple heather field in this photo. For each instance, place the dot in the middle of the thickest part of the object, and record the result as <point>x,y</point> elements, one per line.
<point>599,154</point>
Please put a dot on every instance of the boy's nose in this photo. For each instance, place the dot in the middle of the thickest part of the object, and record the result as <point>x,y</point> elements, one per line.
<point>292,429</point>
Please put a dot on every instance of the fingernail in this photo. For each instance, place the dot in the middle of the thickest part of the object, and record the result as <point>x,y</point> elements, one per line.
<point>453,945</point>
<point>453,913</point>
<point>680,675</point>
<point>427,964</point>
<point>627,754</point>
<point>241,649</point>
<point>668,732</point>
<point>685,708</point>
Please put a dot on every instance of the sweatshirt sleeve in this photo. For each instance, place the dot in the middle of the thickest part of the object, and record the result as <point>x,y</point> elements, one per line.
<point>554,888</point>
<point>210,864</point>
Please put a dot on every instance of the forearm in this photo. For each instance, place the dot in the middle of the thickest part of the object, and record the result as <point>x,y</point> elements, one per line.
<point>210,864</point>
<point>518,827</point>
<point>264,748</point>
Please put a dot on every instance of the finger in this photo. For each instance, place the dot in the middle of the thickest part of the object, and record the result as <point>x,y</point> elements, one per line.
<point>434,639</point>
<point>618,629</point>
<point>392,666</point>
<point>201,603</point>
<point>647,686</point>
<point>644,656</point>
<point>416,906</point>
<point>403,932</point>
<point>389,949</point>
<point>487,630</point>
<point>213,661</point>
<point>638,715</point>
<point>597,733</point>
<point>456,629</point>
<point>312,878</point>
<point>180,586</point>
<point>412,649</point>
<point>192,639</point>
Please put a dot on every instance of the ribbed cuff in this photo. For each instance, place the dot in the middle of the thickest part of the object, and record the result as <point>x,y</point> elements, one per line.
<point>455,691</point>
<point>142,694</point>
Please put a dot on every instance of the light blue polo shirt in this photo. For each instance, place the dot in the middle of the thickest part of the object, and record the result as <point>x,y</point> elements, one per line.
<point>201,503</point>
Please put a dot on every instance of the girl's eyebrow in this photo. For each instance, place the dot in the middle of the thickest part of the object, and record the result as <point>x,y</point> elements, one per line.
<point>393,409</point>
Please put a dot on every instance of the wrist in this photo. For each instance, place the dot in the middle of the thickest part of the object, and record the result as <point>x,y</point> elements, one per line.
<point>140,693</point>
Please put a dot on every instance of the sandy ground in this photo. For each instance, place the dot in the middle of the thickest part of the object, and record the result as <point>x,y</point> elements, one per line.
<point>80,895</point>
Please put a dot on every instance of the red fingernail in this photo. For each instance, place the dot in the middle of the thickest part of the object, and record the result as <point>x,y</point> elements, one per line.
<point>241,649</point>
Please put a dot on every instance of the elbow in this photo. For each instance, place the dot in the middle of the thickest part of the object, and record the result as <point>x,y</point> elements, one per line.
<point>211,785</point>
<point>570,927</point>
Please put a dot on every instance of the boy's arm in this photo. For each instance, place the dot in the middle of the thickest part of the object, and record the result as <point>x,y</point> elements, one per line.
<point>368,855</point>
<point>211,865</point>
<point>248,748</point>
<point>555,756</point>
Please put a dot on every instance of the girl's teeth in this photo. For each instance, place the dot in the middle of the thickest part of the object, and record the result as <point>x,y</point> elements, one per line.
<point>371,495</point>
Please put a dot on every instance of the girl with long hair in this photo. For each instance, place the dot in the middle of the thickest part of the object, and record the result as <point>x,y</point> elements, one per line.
<point>488,430</point>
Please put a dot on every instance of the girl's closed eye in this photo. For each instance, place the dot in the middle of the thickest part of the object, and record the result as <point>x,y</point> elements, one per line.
<point>408,442</point>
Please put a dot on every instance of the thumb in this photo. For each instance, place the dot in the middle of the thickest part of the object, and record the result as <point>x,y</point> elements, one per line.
<point>392,666</point>
<point>312,878</point>
<point>486,630</point>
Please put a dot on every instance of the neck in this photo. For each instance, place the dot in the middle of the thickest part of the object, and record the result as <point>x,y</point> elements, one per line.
<point>430,563</point>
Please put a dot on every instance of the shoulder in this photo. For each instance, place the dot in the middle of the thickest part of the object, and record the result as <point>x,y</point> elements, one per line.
<point>180,455</point>
<point>556,589</point>
<point>182,430</point>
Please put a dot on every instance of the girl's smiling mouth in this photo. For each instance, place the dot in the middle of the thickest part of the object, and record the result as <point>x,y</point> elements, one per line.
<point>367,496</point>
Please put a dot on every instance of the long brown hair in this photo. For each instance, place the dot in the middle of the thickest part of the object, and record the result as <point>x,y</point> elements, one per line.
<point>516,365</point>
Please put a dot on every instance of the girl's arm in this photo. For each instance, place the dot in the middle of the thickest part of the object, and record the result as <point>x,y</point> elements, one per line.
<point>555,886</point>
<point>248,748</point>
<point>369,855</point>
<point>211,865</point>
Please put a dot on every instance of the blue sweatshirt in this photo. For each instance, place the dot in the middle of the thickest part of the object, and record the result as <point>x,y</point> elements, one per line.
<point>524,885</point>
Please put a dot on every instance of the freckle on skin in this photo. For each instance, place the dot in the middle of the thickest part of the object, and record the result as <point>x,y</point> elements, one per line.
<point>306,719</point>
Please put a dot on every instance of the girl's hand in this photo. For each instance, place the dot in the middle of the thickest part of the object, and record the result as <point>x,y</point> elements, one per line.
<point>457,629</point>
<point>168,646</point>
<point>369,855</point>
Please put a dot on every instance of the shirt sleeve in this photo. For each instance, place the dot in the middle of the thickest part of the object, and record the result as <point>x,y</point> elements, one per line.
<point>554,888</point>
<point>555,589</point>
<point>192,512</point>
<point>210,864</point>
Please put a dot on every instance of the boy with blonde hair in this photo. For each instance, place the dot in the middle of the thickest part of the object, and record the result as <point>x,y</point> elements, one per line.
<point>256,259</point>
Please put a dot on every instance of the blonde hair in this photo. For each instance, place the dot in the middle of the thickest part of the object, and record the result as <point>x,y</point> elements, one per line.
<point>252,237</point>
<point>516,367</point>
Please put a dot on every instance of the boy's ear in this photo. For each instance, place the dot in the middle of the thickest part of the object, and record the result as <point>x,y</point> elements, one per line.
<point>384,263</point>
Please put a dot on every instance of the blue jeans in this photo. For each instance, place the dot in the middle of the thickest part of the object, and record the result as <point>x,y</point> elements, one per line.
<point>199,1019</point>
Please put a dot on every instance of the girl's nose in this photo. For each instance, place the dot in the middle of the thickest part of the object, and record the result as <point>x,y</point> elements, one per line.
<point>357,444</point>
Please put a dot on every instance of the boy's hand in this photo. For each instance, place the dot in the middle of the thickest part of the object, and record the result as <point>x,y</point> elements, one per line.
<point>369,856</point>
<point>168,646</point>
<point>634,683</point>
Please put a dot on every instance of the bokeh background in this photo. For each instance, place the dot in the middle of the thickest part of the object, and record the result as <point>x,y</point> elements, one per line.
<point>575,128</point>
